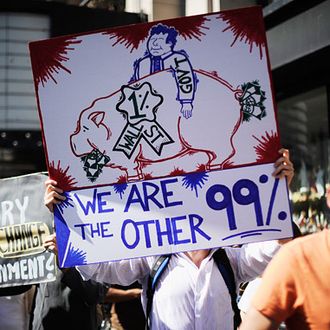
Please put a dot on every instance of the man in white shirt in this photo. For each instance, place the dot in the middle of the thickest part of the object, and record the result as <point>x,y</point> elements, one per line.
<point>191,293</point>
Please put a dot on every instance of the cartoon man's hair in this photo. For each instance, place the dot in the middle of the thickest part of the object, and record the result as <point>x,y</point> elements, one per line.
<point>172,33</point>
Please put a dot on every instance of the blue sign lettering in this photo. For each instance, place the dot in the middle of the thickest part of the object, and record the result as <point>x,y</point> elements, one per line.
<point>137,229</point>
<point>194,227</point>
<point>90,206</point>
<point>167,193</point>
<point>166,233</point>
<point>225,203</point>
<point>102,203</point>
<point>152,193</point>
<point>123,234</point>
<point>99,229</point>
<point>245,192</point>
<point>177,231</point>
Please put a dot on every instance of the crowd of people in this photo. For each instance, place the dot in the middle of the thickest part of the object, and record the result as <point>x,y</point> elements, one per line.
<point>310,198</point>
<point>288,285</point>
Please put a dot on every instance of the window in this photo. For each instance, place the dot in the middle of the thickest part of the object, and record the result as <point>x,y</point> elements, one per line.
<point>18,108</point>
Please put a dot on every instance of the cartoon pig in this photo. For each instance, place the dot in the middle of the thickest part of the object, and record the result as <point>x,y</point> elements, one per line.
<point>140,129</point>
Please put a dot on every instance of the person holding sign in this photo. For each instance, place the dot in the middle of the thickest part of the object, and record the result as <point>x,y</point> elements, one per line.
<point>192,291</point>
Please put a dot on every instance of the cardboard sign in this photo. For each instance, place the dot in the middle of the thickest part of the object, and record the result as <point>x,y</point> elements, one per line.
<point>183,96</point>
<point>155,100</point>
<point>24,224</point>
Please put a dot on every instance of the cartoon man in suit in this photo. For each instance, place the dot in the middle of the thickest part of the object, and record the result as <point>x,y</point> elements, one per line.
<point>160,55</point>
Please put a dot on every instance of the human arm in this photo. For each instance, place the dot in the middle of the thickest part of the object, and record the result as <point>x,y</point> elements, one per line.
<point>284,169</point>
<point>276,298</point>
<point>122,272</point>
<point>119,295</point>
<point>250,260</point>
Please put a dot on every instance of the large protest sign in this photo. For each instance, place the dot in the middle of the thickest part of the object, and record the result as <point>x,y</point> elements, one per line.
<point>24,224</point>
<point>182,98</point>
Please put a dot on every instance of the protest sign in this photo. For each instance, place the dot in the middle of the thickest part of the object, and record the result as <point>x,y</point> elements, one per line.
<point>24,224</point>
<point>157,100</point>
<point>169,215</point>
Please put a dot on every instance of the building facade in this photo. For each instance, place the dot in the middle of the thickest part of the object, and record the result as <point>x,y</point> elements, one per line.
<point>21,149</point>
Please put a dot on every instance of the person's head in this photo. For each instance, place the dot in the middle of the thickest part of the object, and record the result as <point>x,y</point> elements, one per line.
<point>162,39</point>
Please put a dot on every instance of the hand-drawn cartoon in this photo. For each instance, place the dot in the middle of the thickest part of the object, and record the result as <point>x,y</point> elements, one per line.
<point>163,147</point>
<point>160,55</point>
<point>135,130</point>
<point>144,122</point>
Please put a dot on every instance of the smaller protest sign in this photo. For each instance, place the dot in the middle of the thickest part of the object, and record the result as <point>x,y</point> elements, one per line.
<point>189,212</point>
<point>24,224</point>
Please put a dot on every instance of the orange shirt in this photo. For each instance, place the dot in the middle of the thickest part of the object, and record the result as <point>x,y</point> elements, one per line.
<point>296,284</point>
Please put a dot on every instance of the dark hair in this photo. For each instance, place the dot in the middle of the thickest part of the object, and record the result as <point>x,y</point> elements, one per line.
<point>172,33</point>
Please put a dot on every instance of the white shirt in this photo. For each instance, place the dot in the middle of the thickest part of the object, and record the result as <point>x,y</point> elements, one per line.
<point>188,297</point>
<point>245,301</point>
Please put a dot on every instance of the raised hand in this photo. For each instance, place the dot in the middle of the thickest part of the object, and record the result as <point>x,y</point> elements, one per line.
<point>53,194</point>
<point>283,166</point>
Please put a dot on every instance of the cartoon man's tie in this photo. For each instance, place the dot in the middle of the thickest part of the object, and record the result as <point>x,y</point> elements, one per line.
<point>156,63</point>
